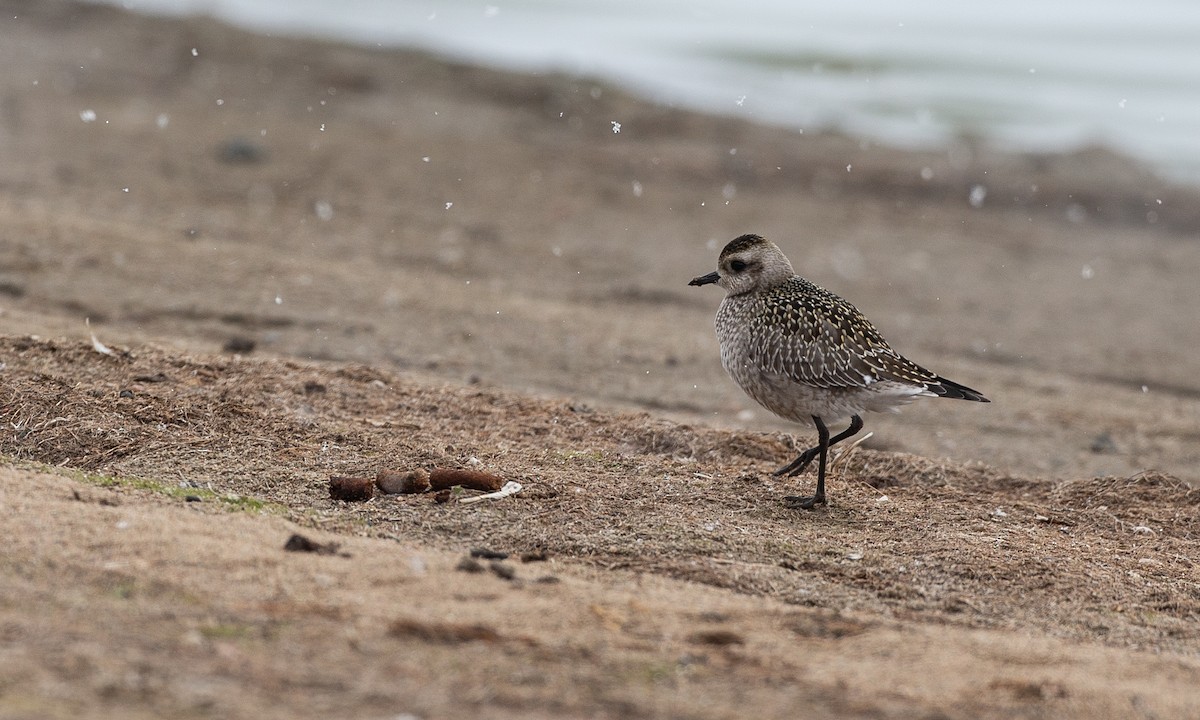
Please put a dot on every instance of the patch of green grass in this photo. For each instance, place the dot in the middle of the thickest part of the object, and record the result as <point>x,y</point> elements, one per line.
<point>122,590</point>
<point>232,501</point>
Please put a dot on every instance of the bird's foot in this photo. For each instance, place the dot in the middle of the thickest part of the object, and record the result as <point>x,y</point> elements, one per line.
<point>797,466</point>
<point>804,503</point>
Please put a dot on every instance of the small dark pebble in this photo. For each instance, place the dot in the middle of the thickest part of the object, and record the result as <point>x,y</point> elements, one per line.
<point>299,543</point>
<point>1104,444</point>
<point>535,556</point>
<point>106,501</point>
<point>716,637</point>
<point>239,344</point>
<point>125,394</point>
<point>503,570</point>
<point>489,554</point>
<point>155,378</point>
<point>548,580</point>
<point>442,496</point>
<point>192,498</point>
<point>470,565</point>
<point>241,151</point>
<point>312,386</point>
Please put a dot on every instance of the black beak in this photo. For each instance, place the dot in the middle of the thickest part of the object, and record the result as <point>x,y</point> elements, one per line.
<point>708,279</point>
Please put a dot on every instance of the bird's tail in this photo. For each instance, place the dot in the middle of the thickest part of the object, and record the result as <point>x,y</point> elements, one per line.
<point>950,389</point>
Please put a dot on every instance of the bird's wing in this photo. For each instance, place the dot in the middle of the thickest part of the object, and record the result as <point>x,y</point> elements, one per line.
<point>813,337</point>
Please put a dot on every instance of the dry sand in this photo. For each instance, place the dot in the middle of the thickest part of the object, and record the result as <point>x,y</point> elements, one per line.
<point>312,259</point>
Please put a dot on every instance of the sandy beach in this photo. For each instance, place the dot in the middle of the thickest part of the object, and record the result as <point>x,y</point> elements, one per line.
<point>311,259</point>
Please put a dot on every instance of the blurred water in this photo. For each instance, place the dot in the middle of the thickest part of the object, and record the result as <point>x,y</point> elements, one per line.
<point>1023,74</point>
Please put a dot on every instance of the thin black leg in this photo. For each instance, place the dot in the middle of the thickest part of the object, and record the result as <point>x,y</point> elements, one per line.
<point>818,498</point>
<point>797,466</point>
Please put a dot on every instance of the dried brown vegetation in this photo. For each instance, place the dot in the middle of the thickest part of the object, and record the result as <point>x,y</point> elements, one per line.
<point>171,546</point>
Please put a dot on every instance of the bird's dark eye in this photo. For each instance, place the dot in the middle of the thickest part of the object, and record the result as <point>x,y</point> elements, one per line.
<point>737,266</point>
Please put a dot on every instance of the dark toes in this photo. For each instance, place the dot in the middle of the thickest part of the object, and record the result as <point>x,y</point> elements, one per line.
<point>797,466</point>
<point>804,503</point>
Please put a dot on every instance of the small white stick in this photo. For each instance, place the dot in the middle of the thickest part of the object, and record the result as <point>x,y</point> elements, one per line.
<point>96,344</point>
<point>511,487</point>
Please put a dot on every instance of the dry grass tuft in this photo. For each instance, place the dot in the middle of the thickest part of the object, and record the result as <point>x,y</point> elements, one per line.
<point>905,536</point>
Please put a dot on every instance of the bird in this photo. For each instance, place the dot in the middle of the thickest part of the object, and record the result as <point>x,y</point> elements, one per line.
<point>806,354</point>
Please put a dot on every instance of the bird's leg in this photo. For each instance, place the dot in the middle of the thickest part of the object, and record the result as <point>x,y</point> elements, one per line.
<point>797,466</point>
<point>818,498</point>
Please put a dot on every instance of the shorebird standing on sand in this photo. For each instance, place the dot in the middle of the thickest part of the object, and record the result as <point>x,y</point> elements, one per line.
<point>802,352</point>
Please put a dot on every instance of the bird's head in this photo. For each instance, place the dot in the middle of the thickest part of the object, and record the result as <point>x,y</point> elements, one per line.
<point>748,263</point>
